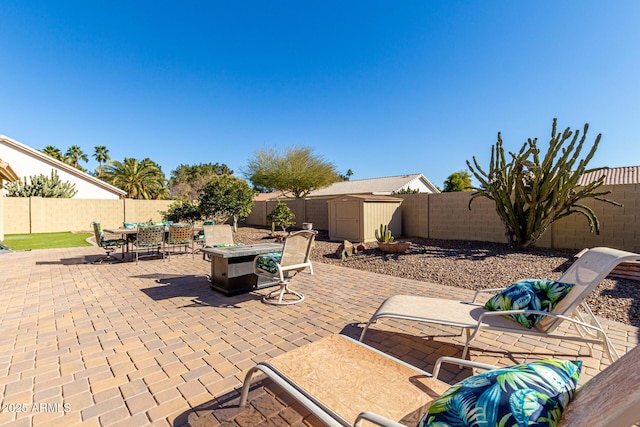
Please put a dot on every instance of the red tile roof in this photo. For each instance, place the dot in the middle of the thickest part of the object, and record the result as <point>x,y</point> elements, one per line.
<point>614,176</point>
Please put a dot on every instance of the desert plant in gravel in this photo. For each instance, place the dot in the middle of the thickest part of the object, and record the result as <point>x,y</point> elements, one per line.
<point>531,193</point>
<point>281,216</point>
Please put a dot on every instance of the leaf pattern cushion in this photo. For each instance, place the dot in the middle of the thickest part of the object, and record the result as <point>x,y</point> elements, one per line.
<point>529,294</point>
<point>267,262</point>
<point>531,394</point>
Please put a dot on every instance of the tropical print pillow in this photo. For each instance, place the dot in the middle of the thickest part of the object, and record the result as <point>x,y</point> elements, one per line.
<point>531,394</point>
<point>529,294</point>
<point>267,262</point>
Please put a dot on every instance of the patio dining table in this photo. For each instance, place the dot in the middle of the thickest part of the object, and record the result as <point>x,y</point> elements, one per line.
<point>127,232</point>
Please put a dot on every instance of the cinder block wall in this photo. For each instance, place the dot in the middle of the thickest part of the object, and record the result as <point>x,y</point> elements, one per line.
<point>41,215</point>
<point>436,216</point>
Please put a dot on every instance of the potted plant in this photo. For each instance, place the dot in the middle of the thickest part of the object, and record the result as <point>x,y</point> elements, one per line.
<point>386,241</point>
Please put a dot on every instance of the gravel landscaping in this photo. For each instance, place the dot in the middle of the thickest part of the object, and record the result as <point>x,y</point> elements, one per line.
<point>473,265</point>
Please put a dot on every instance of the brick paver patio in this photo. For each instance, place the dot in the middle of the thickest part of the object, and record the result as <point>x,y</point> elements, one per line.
<point>151,344</point>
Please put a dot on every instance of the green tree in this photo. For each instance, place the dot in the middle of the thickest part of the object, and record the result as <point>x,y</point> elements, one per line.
<point>347,175</point>
<point>73,156</point>
<point>297,172</point>
<point>140,179</point>
<point>101,154</point>
<point>458,181</point>
<point>41,186</point>
<point>281,216</point>
<point>182,210</point>
<point>54,152</point>
<point>224,197</point>
<point>531,193</point>
<point>188,180</point>
<point>407,190</point>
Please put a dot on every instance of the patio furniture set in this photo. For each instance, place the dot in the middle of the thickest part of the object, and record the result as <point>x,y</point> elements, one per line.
<point>151,239</point>
<point>345,382</point>
<point>235,268</point>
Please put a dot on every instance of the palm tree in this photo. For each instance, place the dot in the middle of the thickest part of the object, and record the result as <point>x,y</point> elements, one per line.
<point>141,180</point>
<point>54,152</point>
<point>101,154</point>
<point>74,154</point>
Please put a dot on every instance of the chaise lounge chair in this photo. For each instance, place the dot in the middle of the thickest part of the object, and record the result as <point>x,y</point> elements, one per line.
<point>344,382</point>
<point>584,274</point>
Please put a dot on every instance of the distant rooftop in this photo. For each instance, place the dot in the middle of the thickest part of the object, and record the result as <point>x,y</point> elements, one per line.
<point>382,186</point>
<point>613,176</point>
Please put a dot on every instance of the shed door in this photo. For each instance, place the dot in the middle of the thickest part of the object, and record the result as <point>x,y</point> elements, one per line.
<point>348,220</point>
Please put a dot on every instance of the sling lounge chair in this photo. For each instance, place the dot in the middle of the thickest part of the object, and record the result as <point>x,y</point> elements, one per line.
<point>585,274</point>
<point>216,234</point>
<point>344,382</point>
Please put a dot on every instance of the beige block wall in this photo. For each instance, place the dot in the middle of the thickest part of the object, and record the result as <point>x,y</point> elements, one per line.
<point>619,226</point>
<point>415,215</point>
<point>144,210</point>
<point>436,216</point>
<point>317,211</point>
<point>258,215</point>
<point>40,215</point>
<point>451,219</point>
<point>17,218</point>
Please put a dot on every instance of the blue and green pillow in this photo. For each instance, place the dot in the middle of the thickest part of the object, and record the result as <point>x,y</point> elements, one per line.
<point>529,294</point>
<point>532,394</point>
<point>268,262</point>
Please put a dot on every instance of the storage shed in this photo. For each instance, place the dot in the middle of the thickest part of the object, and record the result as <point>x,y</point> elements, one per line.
<point>356,217</point>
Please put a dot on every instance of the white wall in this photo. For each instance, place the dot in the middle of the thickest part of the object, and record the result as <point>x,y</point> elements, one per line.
<point>26,165</point>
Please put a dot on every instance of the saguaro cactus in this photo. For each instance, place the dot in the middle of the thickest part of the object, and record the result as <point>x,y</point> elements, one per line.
<point>530,195</point>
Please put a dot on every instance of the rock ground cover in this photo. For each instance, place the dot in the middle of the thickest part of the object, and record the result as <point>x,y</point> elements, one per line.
<point>472,265</point>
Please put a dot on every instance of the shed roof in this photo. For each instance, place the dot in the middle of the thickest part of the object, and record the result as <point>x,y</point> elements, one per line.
<point>613,176</point>
<point>370,198</point>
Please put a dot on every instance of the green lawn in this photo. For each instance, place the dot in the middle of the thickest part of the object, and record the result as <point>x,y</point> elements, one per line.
<point>21,242</point>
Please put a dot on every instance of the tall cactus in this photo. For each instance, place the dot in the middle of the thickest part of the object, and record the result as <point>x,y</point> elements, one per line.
<point>41,186</point>
<point>384,234</point>
<point>530,195</point>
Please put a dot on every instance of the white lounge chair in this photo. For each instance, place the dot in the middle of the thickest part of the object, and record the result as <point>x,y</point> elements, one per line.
<point>585,274</point>
<point>344,382</point>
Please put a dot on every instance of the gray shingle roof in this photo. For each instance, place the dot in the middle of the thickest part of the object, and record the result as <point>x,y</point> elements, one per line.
<point>384,185</point>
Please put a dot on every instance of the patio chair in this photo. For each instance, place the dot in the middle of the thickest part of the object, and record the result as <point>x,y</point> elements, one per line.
<point>584,274</point>
<point>148,238</point>
<point>344,382</point>
<point>215,235</point>
<point>109,245</point>
<point>180,236</point>
<point>282,266</point>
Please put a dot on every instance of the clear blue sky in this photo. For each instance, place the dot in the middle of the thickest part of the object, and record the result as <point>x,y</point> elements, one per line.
<point>382,88</point>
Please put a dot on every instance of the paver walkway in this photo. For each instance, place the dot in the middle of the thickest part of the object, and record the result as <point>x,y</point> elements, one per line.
<point>151,344</point>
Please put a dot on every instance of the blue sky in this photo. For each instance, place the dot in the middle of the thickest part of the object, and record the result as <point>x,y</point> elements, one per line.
<point>382,88</point>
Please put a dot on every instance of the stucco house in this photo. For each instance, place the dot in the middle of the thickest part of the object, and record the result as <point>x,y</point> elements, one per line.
<point>26,162</point>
